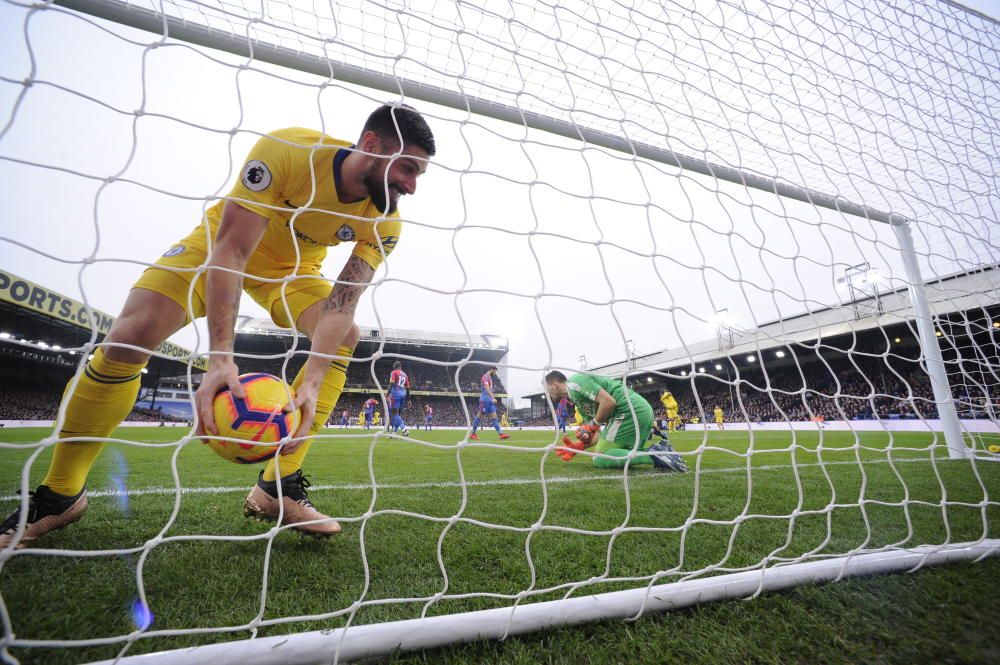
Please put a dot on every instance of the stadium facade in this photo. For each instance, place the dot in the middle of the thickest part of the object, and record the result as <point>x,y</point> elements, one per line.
<point>440,364</point>
<point>861,360</point>
<point>44,335</point>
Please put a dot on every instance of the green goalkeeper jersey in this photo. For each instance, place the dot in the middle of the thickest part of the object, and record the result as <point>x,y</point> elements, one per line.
<point>583,389</point>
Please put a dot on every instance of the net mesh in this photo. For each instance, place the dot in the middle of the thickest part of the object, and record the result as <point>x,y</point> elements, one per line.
<point>794,320</point>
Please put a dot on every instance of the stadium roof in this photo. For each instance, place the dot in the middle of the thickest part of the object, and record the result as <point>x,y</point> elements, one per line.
<point>37,318</point>
<point>950,295</point>
<point>437,345</point>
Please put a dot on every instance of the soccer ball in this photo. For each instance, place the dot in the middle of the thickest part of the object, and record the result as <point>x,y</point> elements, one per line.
<point>994,449</point>
<point>259,419</point>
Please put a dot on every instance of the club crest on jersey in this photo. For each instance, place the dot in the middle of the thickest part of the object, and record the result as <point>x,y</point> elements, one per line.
<point>256,176</point>
<point>175,250</point>
<point>345,233</point>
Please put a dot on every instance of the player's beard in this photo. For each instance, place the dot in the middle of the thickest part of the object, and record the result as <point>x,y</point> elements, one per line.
<point>376,184</point>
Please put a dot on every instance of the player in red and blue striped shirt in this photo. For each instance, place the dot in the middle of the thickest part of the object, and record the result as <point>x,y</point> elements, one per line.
<point>398,384</point>
<point>370,407</point>
<point>487,405</point>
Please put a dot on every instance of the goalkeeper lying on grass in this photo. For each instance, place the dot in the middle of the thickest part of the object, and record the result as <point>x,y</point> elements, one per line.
<point>611,425</point>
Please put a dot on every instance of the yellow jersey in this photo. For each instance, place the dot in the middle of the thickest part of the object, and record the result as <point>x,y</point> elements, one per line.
<point>718,414</point>
<point>291,177</point>
<point>668,401</point>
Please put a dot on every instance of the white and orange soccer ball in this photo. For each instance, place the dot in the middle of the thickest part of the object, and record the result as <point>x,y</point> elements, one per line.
<point>259,420</point>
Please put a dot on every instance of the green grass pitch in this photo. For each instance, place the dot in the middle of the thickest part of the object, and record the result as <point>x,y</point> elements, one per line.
<point>208,572</point>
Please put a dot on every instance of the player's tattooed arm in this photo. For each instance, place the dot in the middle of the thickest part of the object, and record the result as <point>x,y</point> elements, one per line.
<point>351,285</point>
<point>333,329</point>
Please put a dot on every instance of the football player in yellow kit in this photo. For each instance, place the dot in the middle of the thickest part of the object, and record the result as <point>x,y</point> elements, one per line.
<point>670,405</point>
<point>298,193</point>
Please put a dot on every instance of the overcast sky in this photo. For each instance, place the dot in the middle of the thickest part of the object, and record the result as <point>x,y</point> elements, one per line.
<point>511,232</point>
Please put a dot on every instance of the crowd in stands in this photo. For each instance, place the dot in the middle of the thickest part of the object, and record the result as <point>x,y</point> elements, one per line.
<point>867,389</point>
<point>423,375</point>
<point>447,410</point>
<point>863,388</point>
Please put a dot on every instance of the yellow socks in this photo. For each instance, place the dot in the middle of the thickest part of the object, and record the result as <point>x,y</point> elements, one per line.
<point>329,393</point>
<point>104,395</point>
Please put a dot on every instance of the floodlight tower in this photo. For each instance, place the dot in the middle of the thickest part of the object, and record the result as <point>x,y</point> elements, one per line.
<point>722,322</point>
<point>862,282</point>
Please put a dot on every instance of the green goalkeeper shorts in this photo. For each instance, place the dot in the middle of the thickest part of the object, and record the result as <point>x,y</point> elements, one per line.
<point>626,431</point>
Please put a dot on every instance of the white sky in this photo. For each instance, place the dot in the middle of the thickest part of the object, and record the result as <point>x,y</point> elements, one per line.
<point>511,232</point>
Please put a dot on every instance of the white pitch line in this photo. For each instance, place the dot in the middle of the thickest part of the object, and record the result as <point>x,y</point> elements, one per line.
<point>644,475</point>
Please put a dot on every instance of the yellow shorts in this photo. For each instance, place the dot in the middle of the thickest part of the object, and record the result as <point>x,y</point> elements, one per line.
<point>174,271</point>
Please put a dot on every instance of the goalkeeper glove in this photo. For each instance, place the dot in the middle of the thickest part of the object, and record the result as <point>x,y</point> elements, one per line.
<point>587,433</point>
<point>567,455</point>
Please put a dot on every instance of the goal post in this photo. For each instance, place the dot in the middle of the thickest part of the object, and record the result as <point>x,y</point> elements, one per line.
<point>647,168</point>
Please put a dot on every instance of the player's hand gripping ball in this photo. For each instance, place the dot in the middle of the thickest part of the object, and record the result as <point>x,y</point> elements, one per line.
<point>259,421</point>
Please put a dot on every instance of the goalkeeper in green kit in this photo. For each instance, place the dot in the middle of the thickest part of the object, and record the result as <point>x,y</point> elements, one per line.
<point>608,407</point>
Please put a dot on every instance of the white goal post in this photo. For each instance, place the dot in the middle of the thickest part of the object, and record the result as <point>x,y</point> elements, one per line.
<point>781,144</point>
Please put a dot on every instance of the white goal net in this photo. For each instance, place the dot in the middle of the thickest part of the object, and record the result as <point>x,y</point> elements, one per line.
<point>783,213</point>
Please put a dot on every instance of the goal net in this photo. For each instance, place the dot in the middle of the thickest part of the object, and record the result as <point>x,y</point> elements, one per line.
<point>784,214</point>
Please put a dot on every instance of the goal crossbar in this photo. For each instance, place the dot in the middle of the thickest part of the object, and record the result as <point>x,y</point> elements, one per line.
<point>171,26</point>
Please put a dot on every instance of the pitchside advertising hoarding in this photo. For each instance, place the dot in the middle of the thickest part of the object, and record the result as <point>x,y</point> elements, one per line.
<point>27,294</point>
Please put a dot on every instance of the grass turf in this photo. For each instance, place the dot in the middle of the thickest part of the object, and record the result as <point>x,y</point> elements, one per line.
<point>208,572</point>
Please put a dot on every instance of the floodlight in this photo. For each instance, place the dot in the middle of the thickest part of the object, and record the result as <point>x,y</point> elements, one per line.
<point>722,319</point>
